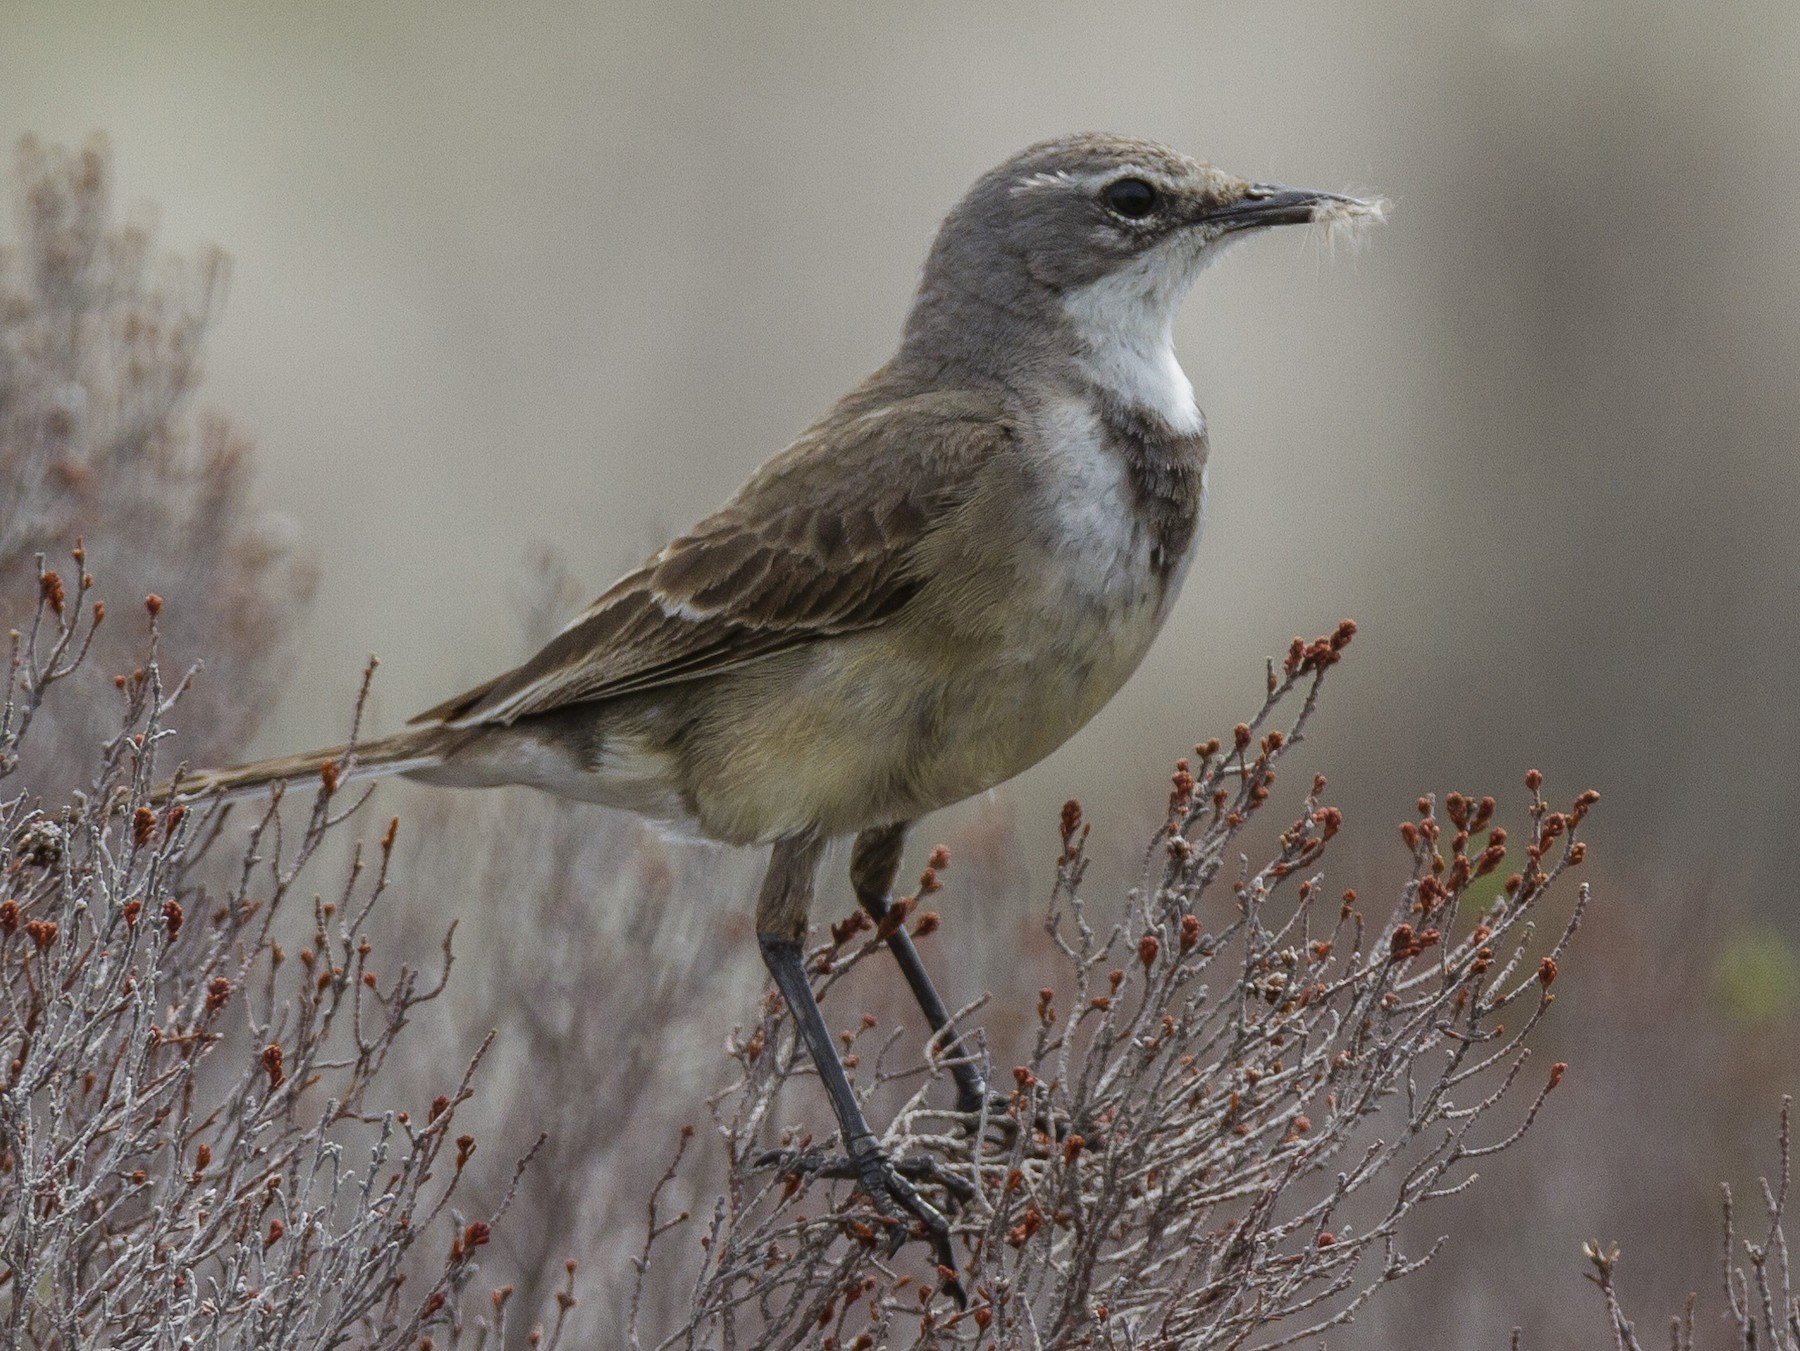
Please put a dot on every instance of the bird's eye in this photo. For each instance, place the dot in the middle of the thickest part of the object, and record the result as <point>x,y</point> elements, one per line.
<point>1131,198</point>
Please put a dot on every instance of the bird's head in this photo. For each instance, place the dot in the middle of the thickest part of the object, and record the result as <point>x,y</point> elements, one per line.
<point>1112,219</point>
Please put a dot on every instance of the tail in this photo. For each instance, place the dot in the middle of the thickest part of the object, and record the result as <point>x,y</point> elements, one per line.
<point>402,753</point>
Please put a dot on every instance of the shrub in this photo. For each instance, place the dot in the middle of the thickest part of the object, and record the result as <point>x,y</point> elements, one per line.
<point>1759,1295</point>
<point>100,347</point>
<point>191,1129</point>
<point>194,1147</point>
<point>1231,1099</point>
<point>1223,1124</point>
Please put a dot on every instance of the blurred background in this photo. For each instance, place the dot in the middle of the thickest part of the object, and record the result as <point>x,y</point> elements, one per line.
<point>559,275</point>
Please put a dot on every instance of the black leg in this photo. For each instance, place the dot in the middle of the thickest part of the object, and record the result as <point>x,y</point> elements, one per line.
<point>781,927</point>
<point>890,1192</point>
<point>874,862</point>
<point>787,963</point>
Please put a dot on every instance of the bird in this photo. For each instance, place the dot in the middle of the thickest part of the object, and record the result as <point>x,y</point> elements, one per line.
<point>937,584</point>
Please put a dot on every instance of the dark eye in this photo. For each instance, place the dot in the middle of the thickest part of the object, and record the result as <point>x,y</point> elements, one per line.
<point>1132,198</point>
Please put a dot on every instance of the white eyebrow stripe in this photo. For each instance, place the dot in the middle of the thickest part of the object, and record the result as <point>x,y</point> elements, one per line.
<point>1061,178</point>
<point>1040,182</point>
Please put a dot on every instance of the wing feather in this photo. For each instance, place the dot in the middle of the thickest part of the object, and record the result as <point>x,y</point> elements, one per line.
<point>823,541</point>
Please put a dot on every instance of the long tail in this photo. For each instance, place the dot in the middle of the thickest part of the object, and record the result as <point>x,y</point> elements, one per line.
<point>402,753</point>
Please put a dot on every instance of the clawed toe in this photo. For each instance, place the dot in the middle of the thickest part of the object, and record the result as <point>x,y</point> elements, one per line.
<point>889,1186</point>
<point>896,1198</point>
<point>816,1163</point>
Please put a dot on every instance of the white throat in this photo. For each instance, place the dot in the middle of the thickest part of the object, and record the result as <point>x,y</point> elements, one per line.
<point>1125,324</point>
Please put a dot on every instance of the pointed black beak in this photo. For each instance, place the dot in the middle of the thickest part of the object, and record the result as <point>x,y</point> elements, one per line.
<point>1271,204</point>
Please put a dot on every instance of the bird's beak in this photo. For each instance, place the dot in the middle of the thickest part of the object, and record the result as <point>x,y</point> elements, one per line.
<point>1270,204</point>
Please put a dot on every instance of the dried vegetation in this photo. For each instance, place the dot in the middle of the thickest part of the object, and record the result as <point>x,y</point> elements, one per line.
<point>1232,1101</point>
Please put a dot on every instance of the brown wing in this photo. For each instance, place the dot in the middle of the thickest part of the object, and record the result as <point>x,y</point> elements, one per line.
<point>822,541</point>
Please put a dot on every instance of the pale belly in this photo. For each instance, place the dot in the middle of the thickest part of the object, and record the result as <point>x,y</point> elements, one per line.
<point>891,725</point>
<point>1005,720</point>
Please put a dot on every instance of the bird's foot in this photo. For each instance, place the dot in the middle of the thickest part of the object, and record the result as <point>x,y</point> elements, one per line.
<point>888,1183</point>
<point>896,1199</point>
<point>912,1168</point>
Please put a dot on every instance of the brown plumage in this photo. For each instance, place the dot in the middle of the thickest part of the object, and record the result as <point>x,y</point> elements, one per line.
<point>821,542</point>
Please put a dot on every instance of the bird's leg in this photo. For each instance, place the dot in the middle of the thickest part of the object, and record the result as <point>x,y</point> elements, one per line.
<point>781,925</point>
<point>874,862</point>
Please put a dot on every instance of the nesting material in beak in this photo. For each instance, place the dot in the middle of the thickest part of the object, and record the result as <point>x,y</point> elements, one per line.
<point>1346,218</point>
<point>1266,204</point>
